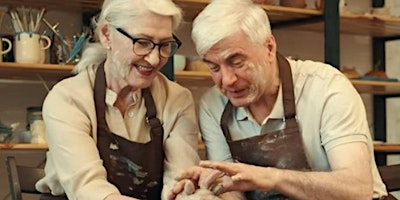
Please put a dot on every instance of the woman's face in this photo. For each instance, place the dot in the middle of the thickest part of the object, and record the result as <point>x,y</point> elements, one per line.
<point>123,66</point>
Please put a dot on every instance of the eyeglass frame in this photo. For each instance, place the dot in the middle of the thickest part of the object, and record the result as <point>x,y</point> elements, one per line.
<point>134,40</point>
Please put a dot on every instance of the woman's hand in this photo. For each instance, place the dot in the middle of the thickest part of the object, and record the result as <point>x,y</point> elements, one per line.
<point>189,192</point>
<point>201,177</point>
<point>182,187</point>
<point>194,178</point>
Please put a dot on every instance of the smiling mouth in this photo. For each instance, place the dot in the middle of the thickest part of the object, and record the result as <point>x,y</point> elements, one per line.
<point>144,69</point>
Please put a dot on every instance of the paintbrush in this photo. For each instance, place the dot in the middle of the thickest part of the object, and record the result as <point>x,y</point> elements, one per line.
<point>15,21</point>
<point>38,19</point>
<point>3,11</point>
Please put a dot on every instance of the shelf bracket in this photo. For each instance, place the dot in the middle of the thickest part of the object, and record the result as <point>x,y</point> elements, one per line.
<point>332,34</point>
<point>379,102</point>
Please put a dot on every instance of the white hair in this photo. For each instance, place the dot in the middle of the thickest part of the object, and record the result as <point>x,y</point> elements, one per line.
<point>123,13</point>
<point>222,18</point>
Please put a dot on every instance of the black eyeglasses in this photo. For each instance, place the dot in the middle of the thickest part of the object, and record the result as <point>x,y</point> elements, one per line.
<point>143,46</point>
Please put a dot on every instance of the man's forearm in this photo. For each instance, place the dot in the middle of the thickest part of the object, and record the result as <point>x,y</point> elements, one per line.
<point>339,184</point>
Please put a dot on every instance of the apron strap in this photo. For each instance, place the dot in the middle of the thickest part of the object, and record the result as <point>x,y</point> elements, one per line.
<point>100,104</point>
<point>151,114</point>
<point>285,74</point>
<point>225,119</point>
<point>100,96</point>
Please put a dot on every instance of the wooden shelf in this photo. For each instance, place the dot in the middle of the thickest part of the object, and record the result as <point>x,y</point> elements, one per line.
<point>376,26</point>
<point>200,78</point>
<point>24,146</point>
<point>28,146</point>
<point>50,72</point>
<point>368,25</point>
<point>26,71</point>
<point>387,148</point>
<point>276,14</point>
<point>378,147</point>
<point>377,87</point>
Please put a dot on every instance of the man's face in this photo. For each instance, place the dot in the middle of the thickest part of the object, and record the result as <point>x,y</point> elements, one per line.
<point>241,69</point>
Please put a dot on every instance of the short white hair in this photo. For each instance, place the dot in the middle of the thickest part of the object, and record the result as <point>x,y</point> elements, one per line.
<point>222,18</point>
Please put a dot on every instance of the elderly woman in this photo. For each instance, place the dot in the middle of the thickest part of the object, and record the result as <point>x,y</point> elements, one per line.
<point>119,129</point>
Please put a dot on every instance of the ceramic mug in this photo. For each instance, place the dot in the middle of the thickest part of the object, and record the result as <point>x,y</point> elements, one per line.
<point>179,62</point>
<point>8,49</point>
<point>28,47</point>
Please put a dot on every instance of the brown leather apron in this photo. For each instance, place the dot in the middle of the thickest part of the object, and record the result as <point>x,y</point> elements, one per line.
<point>281,148</point>
<point>136,169</point>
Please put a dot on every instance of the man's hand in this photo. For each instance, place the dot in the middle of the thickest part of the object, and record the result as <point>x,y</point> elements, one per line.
<point>243,177</point>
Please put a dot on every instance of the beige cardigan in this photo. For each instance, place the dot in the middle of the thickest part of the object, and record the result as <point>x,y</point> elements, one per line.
<point>73,164</point>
